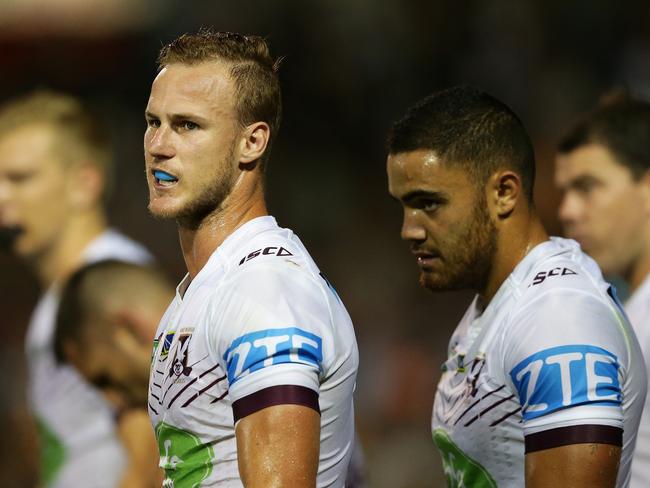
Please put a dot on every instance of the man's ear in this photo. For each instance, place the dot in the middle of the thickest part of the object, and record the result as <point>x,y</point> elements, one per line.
<point>254,141</point>
<point>85,185</point>
<point>645,188</point>
<point>504,190</point>
<point>73,354</point>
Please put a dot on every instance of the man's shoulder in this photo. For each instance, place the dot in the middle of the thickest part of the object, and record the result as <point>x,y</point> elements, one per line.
<point>275,251</point>
<point>568,273</point>
<point>112,244</point>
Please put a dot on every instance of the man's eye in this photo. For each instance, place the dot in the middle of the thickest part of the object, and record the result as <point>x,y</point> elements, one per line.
<point>18,178</point>
<point>155,123</point>
<point>430,205</point>
<point>586,187</point>
<point>189,125</point>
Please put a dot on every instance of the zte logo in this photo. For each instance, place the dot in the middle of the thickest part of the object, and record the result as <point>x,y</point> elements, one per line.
<point>271,250</point>
<point>562,376</point>
<point>256,350</point>
<point>542,275</point>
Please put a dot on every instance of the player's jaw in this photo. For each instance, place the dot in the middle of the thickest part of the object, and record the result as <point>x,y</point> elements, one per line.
<point>190,198</point>
<point>461,259</point>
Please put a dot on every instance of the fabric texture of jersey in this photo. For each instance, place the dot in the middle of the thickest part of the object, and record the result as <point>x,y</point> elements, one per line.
<point>638,310</point>
<point>78,441</point>
<point>257,317</point>
<point>552,349</point>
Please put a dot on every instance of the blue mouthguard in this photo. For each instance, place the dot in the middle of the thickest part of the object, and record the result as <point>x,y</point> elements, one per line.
<point>161,175</point>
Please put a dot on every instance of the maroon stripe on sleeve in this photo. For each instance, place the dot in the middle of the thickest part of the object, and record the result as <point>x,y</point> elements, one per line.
<point>574,434</point>
<point>275,395</point>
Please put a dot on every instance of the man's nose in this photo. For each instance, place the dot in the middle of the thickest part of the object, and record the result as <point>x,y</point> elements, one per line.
<point>412,229</point>
<point>570,210</point>
<point>158,142</point>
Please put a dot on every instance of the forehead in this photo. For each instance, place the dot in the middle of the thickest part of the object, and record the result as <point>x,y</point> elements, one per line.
<point>195,88</point>
<point>590,160</point>
<point>424,170</point>
<point>28,146</point>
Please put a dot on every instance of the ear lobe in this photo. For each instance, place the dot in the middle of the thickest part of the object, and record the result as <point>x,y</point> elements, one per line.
<point>506,190</point>
<point>85,185</point>
<point>254,142</point>
<point>645,188</point>
<point>72,354</point>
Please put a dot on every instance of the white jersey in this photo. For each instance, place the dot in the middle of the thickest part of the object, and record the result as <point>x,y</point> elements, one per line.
<point>638,310</point>
<point>76,425</point>
<point>258,326</point>
<point>551,354</point>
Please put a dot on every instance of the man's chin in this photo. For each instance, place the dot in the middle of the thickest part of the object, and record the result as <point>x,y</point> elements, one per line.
<point>433,282</point>
<point>163,212</point>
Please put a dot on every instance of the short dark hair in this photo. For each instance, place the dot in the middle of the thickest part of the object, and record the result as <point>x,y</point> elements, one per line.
<point>467,127</point>
<point>90,291</point>
<point>253,70</point>
<point>622,125</point>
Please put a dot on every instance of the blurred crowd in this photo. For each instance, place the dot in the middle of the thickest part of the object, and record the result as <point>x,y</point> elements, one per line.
<point>349,68</point>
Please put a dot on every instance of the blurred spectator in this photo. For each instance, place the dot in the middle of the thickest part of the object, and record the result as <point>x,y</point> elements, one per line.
<point>603,171</point>
<point>54,170</point>
<point>107,318</point>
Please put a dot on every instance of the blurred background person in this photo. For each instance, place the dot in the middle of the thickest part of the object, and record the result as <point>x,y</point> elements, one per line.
<point>106,322</point>
<point>602,169</point>
<point>54,170</point>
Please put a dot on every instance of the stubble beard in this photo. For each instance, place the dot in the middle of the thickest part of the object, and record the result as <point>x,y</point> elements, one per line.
<point>467,257</point>
<point>209,200</point>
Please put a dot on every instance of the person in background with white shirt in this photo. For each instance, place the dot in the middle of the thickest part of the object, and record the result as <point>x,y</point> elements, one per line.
<point>602,169</point>
<point>55,166</point>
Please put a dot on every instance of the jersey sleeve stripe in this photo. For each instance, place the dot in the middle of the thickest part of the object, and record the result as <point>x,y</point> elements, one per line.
<point>574,434</point>
<point>275,395</point>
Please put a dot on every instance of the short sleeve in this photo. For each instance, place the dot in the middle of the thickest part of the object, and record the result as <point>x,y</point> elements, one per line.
<point>272,325</point>
<point>565,361</point>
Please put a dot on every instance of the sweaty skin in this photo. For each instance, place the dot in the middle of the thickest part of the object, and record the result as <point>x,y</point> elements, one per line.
<point>278,447</point>
<point>574,466</point>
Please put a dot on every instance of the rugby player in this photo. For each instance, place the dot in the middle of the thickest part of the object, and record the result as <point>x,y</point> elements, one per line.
<point>255,360</point>
<point>108,314</point>
<point>544,382</point>
<point>602,168</point>
<point>54,167</point>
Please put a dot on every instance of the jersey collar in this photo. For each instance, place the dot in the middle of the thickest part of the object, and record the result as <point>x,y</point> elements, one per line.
<point>226,251</point>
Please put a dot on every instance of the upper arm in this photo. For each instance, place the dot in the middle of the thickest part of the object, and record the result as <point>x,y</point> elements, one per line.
<point>573,466</point>
<point>275,331</point>
<point>279,447</point>
<point>567,365</point>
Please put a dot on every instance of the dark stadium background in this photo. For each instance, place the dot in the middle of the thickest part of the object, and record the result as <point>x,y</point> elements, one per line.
<point>351,67</point>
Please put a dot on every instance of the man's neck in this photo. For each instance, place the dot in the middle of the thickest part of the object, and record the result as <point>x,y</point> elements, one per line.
<point>639,268</point>
<point>200,241</point>
<point>66,253</point>
<point>513,244</point>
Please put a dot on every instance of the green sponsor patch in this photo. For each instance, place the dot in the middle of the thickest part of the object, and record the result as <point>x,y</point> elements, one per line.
<point>52,452</point>
<point>185,459</point>
<point>461,470</point>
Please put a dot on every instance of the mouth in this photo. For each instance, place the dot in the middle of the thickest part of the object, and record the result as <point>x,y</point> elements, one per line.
<point>163,179</point>
<point>426,260</point>
<point>8,235</point>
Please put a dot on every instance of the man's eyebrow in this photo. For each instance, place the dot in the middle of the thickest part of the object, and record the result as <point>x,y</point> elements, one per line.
<point>415,194</point>
<point>582,180</point>
<point>176,117</point>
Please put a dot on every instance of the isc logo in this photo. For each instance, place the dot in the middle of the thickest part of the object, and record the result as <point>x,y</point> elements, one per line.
<point>257,350</point>
<point>562,376</point>
<point>542,275</point>
<point>271,250</point>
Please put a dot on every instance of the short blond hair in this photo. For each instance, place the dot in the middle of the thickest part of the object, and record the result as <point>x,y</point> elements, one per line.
<point>252,69</point>
<point>79,135</point>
